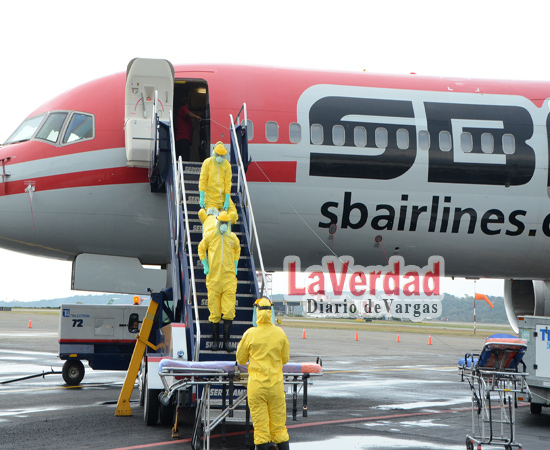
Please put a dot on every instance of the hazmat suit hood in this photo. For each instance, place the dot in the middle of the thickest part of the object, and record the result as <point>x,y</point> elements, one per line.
<point>263,315</point>
<point>219,151</point>
<point>223,217</point>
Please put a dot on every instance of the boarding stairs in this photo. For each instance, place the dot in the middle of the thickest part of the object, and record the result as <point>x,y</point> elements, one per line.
<point>182,189</point>
<point>180,180</point>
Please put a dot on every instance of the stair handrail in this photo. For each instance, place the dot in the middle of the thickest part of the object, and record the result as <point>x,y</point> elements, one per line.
<point>190,257</point>
<point>242,110</point>
<point>248,203</point>
<point>176,180</point>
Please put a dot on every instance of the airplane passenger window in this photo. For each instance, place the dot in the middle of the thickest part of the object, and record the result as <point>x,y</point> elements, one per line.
<point>249,129</point>
<point>423,140</point>
<point>487,143</point>
<point>402,139</point>
<point>466,142</point>
<point>26,130</point>
<point>338,135</point>
<point>316,134</point>
<point>272,131</point>
<point>381,137</point>
<point>508,144</point>
<point>81,126</point>
<point>360,136</point>
<point>295,133</point>
<point>445,141</point>
<point>52,126</point>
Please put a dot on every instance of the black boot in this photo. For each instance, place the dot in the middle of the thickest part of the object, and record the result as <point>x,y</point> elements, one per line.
<point>215,336</point>
<point>284,445</point>
<point>226,335</point>
<point>263,446</point>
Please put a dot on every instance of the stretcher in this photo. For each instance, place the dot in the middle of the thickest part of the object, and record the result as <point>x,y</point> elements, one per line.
<point>495,381</point>
<point>179,374</point>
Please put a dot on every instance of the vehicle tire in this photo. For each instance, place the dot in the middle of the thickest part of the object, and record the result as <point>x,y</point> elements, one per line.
<point>73,372</point>
<point>536,408</point>
<point>151,405</point>
<point>469,444</point>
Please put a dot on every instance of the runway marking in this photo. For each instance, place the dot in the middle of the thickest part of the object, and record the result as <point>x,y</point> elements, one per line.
<point>388,370</point>
<point>315,424</point>
<point>52,388</point>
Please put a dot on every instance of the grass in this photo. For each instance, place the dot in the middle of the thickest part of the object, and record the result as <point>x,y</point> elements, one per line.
<point>435,328</point>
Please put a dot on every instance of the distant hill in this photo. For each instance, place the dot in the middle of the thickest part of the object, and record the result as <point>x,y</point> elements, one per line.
<point>461,309</point>
<point>91,299</point>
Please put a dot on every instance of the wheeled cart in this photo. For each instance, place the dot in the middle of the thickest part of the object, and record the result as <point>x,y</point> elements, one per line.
<point>233,378</point>
<point>495,382</point>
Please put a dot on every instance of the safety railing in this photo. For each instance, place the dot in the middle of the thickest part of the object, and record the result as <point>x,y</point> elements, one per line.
<point>246,202</point>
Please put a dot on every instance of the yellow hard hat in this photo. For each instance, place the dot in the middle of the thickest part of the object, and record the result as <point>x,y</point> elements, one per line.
<point>224,217</point>
<point>220,149</point>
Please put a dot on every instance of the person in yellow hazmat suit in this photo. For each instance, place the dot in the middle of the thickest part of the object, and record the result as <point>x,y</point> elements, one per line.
<point>215,183</point>
<point>266,349</point>
<point>219,251</point>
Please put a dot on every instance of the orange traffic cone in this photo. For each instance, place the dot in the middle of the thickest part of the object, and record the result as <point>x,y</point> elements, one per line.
<point>430,340</point>
<point>356,335</point>
<point>398,340</point>
<point>304,334</point>
<point>30,324</point>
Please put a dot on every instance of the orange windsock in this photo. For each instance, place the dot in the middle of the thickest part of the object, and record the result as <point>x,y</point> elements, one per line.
<point>484,297</point>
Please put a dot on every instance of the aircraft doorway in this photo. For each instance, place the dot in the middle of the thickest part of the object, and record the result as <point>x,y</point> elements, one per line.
<point>193,94</point>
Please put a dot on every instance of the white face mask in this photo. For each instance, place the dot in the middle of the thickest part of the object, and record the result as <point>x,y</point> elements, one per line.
<point>219,159</point>
<point>223,227</point>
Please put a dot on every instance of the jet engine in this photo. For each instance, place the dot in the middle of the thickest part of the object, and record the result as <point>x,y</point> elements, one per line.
<point>526,298</point>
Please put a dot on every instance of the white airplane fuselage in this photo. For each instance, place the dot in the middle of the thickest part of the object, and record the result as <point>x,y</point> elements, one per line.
<point>457,168</point>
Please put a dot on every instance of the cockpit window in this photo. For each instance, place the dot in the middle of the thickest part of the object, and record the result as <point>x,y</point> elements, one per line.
<point>81,126</point>
<point>26,130</point>
<point>52,127</point>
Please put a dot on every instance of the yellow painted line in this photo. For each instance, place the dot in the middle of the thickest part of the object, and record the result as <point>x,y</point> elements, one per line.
<point>30,244</point>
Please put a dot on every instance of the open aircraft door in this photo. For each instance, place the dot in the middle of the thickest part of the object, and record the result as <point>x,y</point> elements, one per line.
<point>146,80</point>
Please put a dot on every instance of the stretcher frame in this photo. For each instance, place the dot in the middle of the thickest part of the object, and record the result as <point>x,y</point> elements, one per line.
<point>495,382</point>
<point>179,378</point>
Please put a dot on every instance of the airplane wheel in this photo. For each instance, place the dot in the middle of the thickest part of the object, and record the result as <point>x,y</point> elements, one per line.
<point>73,372</point>
<point>469,444</point>
<point>151,405</point>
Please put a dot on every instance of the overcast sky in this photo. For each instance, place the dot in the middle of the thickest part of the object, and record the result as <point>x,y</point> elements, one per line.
<point>47,47</point>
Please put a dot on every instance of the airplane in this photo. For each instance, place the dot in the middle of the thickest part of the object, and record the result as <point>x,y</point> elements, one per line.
<point>366,165</point>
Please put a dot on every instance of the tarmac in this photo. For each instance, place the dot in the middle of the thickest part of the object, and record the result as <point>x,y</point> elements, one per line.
<point>375,393</point>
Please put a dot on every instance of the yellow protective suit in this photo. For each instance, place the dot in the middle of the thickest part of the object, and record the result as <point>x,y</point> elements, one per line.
<point>208,221</point>
<point>215,182</point>
<point>221,281</point>
<point>266,349</point>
